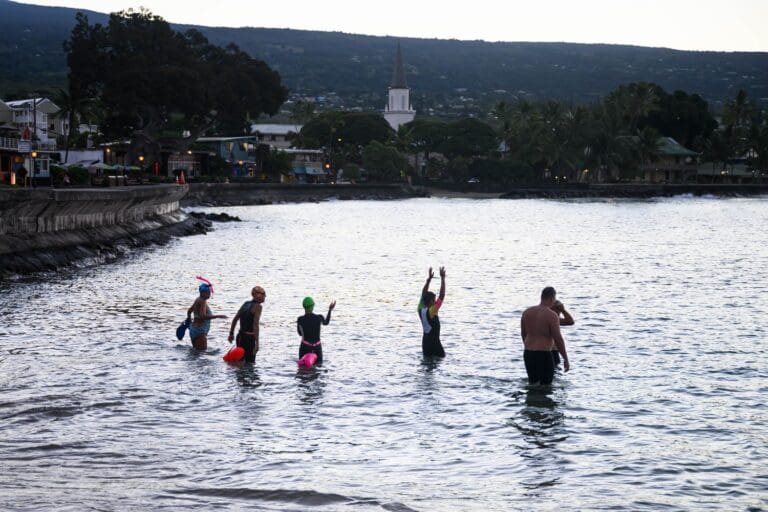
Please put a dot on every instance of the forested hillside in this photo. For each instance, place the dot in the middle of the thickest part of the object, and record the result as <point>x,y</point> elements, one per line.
<point>449,77</point>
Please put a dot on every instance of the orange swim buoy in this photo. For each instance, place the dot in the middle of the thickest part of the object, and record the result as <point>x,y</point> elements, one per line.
<point>234,354</point>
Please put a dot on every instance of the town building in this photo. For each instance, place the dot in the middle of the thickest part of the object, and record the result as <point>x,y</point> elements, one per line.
<point>399,110</point>
<point>278,136</point>
<point>28,131</point>
<point>674,163</point>
<point>238,152</point>
<point>308,165</point>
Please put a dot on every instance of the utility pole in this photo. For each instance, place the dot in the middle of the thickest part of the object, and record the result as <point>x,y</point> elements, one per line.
<point>33,141</point>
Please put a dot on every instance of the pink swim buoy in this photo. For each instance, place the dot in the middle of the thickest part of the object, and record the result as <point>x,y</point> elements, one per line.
<point>308,361</point>
<point>234,354</point>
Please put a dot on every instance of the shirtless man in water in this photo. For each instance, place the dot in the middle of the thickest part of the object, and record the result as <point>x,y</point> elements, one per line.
<point>540,330</point>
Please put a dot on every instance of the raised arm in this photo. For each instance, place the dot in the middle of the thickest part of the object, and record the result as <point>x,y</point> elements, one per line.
<point>426,285</point>
<point>567,319</point>
<point>559,341</point>
<point>327,319</point>
<point>442,284</point>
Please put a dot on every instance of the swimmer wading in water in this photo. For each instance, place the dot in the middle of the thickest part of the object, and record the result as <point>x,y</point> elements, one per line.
<point>430,321</point>
<point>201,324</point>
<point>308,327</point>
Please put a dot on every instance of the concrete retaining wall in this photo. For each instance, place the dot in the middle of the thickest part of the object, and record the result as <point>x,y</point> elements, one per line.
<point>26,211</point>
<point>45,229</point>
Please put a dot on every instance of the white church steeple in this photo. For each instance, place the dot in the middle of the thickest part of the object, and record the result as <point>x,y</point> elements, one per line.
<point>399,110</point>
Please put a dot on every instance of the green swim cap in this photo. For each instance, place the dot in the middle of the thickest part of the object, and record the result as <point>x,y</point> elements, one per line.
<point>308,302</point>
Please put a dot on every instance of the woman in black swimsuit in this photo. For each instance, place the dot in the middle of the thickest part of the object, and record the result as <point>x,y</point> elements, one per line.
<point>308,327</point>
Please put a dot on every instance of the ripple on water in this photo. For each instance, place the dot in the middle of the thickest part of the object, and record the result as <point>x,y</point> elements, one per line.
<point>663,408</point>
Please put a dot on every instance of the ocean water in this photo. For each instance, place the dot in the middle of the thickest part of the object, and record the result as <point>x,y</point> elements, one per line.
<point>101,408</point>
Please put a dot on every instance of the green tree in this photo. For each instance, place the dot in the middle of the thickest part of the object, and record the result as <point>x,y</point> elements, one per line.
<point>425,136</point>
<point>758,144</point>
<point>351,172</point>
<point>468,138</point>
<point>634,102</point>
<point>686,118</point>
<point>384,163</point>
<point>72,109</point>
<point>302,112</point>
<point>647,146</point>
<point>147,76</point>
<point>323,129</point>
<point>718,149</point>
<point>362,128</point>
<point>277,163</point>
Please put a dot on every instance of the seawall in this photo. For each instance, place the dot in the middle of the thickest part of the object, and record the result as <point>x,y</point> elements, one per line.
<point>46,229</point>
<point>230,194</point>
<point>637,191</point>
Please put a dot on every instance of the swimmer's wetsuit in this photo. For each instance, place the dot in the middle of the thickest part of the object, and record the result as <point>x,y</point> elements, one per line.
<point>430,324</point>
<point>245,337</point>
<point>308,326</point>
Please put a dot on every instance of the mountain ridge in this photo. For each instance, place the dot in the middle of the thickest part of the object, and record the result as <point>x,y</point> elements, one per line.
<point>448,77</point>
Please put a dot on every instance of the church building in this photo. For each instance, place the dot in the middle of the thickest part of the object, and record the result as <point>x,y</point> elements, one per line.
<point>399,110</point>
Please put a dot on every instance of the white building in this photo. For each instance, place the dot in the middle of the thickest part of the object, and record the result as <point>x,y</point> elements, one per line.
<point>399,110</point>
<point>275,135</point>
<point>28,131</point>
<point>36,120</point>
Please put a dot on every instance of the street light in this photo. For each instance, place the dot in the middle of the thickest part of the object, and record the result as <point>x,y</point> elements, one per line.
<point>33,154</point>
<point>141,166</point>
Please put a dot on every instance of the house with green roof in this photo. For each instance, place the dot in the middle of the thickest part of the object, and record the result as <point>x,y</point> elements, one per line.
<point>674,163</point>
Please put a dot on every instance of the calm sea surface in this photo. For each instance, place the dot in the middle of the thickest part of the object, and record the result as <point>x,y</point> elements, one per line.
<point>101,408</point>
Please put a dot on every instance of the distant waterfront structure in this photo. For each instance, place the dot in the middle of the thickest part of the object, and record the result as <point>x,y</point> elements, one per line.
<point>399,110</point>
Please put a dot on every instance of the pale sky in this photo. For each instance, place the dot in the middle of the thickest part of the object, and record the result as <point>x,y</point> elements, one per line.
<point>735,25</point>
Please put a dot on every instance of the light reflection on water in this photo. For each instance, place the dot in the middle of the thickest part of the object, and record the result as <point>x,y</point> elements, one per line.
<point>664,406</point>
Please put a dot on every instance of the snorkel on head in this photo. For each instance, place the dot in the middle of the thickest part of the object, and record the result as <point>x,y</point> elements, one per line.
<point>308,303</point>
<point>206,286</point>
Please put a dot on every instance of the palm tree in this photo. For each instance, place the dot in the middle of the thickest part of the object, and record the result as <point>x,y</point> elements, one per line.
<point>634,102</point>
<point>503,114</point>
<point>404,142</point>
<point>73,109</point>
<point>758,143</point>
<point>647,146</point>
<point>719,149</point>
<point>302,112</point>
<point>606,149</point>
<point>739,111</point>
